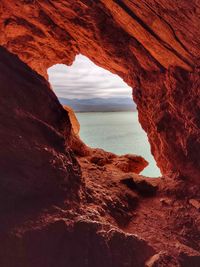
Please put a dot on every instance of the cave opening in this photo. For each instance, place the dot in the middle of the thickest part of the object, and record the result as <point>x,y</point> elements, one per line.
<point>104,107</point>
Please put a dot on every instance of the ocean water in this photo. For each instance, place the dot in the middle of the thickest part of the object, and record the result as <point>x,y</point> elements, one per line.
<point>117,132</point>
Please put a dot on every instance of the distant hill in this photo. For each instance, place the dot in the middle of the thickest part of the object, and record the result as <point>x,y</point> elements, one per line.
<point>100,104</point>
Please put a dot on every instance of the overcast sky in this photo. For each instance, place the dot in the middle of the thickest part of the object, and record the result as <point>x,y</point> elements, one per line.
<point>84,79</point>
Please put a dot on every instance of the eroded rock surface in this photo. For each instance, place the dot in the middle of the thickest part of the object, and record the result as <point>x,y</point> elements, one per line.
<point>51,214</point>
<point>34,136</point>
<point>51,209</point>
<point>152,45</point>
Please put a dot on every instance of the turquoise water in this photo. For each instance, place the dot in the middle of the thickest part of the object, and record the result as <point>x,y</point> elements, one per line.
<point>117,132</point>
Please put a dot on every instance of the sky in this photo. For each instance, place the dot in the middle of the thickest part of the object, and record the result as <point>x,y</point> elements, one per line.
<point>85,80</point>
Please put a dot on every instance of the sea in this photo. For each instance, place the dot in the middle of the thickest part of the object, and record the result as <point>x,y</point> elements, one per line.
<point>117,132</point>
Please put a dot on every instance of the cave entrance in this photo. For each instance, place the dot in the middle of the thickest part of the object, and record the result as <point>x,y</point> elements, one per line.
<point>104,108</point>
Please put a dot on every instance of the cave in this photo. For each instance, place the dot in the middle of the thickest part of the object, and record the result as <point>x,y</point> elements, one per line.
<point>62,202</point>
<point>103,105</point>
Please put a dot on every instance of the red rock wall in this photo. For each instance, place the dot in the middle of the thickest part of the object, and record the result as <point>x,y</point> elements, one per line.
<point>57,219</point>
<point>169,112</point>
<point>50,214</point>
<point>152,45</point>
<point>35,160</point>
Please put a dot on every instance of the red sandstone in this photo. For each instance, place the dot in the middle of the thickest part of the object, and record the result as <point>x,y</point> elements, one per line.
<point>63,204</point>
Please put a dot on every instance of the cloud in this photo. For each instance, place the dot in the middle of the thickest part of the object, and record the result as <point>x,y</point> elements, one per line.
<point>86,80</point>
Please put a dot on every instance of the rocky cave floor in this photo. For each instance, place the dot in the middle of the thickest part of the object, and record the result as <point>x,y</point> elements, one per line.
<point>147,207</point>
<point>112,200</point>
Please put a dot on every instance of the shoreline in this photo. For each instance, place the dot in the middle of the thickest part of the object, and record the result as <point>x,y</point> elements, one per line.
<point>105,111</point>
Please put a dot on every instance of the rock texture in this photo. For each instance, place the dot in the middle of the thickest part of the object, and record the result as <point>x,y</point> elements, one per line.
<point>34,136</point>
<point>83,243</point>
<point>49,210</point>
<point>58,197</point>
<point>152,45</point>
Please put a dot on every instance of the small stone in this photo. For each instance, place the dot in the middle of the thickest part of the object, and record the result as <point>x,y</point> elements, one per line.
<point>160,259</point>
<point>152,261</point>
<point>166,201</point>
<point>195,203</point>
